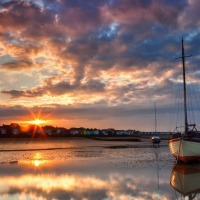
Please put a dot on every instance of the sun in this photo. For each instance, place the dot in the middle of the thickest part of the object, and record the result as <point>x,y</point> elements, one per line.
<point>38,121</point>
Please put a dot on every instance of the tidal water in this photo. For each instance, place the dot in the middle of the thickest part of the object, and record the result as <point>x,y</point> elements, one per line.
<point>85,169</point>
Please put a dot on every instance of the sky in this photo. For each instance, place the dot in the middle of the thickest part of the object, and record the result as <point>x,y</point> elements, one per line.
<point>97,64</point>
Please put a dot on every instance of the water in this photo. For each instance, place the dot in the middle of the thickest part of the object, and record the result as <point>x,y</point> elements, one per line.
<point>84,169</point>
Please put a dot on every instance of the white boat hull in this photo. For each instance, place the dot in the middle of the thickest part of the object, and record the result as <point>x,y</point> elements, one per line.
<point>184,149</point>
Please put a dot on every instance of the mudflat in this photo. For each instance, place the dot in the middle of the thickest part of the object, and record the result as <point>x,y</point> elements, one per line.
<point>79,168</point>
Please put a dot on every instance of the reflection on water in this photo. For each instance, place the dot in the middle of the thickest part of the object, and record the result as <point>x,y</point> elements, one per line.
<point>185,179</point>
<point>35,163</point>
<point>82,179</point>
<point>83,170</point>
<point>37,156</point>
<point>37,160</point>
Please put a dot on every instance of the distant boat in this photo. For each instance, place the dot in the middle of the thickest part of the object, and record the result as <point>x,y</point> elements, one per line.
<point>185,146</point>
<point>155,139</point>
<point>185,179</point>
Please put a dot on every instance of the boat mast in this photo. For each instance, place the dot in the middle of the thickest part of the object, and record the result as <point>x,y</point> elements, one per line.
<point>184,87</point>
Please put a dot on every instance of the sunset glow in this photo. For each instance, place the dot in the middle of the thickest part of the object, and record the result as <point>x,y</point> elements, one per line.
<point>38,121</point>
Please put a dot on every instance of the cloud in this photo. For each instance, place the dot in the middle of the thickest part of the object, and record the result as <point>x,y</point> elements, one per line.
<point>121,52</point>
<point>18,15</point>
<point>4,36</point>
<point>58,88</point>
<point>190,14</point>
<point>17,65</point>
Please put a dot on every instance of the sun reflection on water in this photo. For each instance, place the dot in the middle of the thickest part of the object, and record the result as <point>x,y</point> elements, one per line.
<point>36,161</point>
<point>37,156</point>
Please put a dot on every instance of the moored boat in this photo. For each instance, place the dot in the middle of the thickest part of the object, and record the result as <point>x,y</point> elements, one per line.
<point>155,139</point>
<point>185,146</point>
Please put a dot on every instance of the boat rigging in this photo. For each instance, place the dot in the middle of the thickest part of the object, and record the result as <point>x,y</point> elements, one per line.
<point>185,146</point>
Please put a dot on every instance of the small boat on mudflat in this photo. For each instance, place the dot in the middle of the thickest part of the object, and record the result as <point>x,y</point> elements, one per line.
<point>155,139</point>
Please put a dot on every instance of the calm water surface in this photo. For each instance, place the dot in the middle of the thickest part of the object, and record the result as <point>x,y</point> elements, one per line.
<point>90,170</point>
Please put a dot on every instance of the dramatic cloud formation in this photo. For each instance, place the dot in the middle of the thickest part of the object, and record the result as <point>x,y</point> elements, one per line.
<point>106,61</point>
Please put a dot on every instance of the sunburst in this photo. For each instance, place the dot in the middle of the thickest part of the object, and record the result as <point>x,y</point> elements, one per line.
<point>38,121</point>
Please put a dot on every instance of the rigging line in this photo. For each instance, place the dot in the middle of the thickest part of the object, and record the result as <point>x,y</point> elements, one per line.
<point>189,96</point>
<point>176,106</point>
<point>197,85</point>
<point>192,86</point>
<point>195,74</point>
<point>196,98</point>
<point>172,90</point>
<point>192,108</point>
<point>177,113</point>
<point>179,101</point>
<point>198,127</point>
<point>191,104</point>
<point>176,103</point>
<point>173,103</point>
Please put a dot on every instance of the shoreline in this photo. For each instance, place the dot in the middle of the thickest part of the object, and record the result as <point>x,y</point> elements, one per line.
<point>137,137</point>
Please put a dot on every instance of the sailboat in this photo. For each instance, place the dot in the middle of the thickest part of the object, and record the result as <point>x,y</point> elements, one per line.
<point>185,179</point>
<point>155,139</point>
<point>185,146</point>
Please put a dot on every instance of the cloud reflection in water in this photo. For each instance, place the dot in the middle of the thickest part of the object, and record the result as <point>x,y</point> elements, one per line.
<point>79,179</point>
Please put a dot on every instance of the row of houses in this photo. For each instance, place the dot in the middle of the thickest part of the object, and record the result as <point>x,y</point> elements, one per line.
<point>97,132</point>
<point>15,130</point>
<point>155,133</point>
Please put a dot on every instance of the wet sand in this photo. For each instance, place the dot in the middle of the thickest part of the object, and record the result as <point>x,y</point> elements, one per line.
<point>75,147</point>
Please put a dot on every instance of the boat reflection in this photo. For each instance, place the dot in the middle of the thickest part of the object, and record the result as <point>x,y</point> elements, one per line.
<point>185,179</point>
